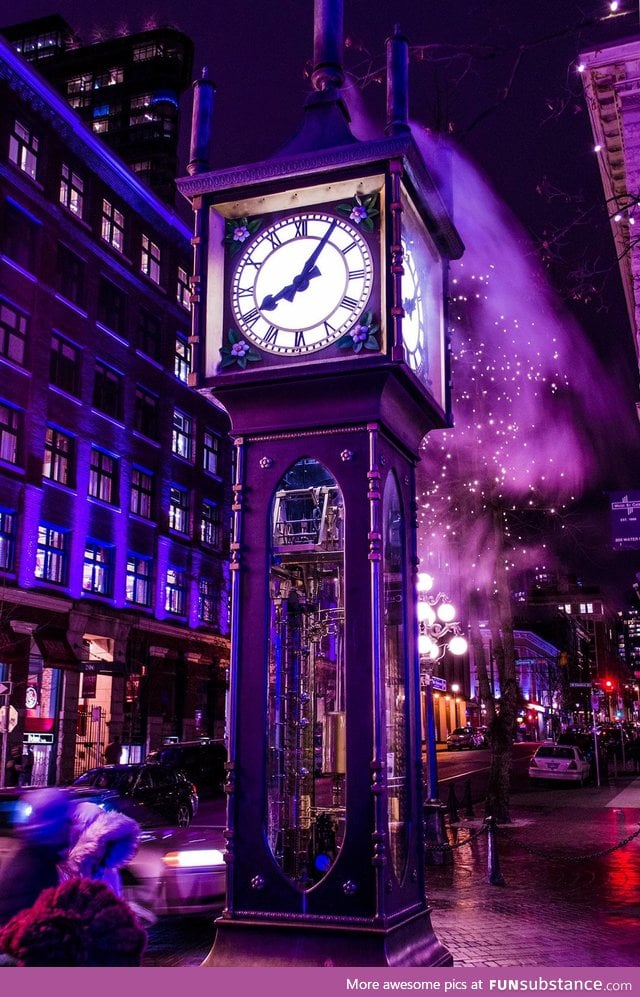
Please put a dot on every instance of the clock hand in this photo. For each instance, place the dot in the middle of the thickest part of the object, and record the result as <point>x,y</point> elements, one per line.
<point>300,281</point>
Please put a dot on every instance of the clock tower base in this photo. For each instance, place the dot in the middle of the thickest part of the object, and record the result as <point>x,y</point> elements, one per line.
<point>247,943</point>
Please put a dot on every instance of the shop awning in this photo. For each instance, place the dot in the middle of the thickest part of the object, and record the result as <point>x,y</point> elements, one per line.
<point>55,649</point>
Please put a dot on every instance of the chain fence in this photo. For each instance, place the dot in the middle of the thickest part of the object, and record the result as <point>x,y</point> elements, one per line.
<point>494,831</point>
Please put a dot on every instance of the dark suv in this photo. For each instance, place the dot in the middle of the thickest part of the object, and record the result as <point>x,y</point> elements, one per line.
<point>153,795</point>
<point>202,761</point>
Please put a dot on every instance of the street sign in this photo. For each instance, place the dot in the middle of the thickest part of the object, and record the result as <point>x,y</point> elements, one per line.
<point>8,719</point>
<point>580,685</point>
<point>5,688</point>
<point>439,684</point>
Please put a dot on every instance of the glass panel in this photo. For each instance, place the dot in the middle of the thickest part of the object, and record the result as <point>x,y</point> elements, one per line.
<point>394,646</point>
<point>306,720</point>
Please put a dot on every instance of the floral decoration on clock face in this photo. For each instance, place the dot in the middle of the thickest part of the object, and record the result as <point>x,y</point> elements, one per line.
<point>301,282</point>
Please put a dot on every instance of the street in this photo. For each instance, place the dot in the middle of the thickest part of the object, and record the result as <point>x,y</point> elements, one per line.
<point>186,941</point>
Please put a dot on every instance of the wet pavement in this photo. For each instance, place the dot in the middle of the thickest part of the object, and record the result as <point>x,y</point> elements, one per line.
<point>572,885</point>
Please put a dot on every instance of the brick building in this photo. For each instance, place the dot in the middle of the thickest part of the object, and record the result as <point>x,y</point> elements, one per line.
<point>113,510</point>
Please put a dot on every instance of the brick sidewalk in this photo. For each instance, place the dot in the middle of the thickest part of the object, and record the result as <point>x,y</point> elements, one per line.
<point>564,903</point>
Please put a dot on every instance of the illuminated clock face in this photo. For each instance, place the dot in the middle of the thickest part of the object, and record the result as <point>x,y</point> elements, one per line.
<point>413,323</point>
<point>301,283</point>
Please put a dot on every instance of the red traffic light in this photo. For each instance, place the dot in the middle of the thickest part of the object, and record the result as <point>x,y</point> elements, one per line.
<point>608,685</point>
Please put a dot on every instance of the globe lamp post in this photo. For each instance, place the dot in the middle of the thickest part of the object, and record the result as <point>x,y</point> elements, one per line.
<point>439,632</point>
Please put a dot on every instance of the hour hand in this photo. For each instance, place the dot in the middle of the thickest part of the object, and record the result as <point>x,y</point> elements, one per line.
<point>299,283</point>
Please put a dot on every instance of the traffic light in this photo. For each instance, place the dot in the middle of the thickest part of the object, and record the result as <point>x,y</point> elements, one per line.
<point>608,685</point>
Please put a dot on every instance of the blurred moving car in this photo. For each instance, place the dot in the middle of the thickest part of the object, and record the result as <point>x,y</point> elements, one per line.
<point>177,872</point>
<point>202,761</point>
<point>465,737</point>
<point>559,762</point>
<point>153,795</point>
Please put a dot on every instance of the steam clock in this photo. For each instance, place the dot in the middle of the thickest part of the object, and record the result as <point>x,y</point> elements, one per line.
<point>320,277</point>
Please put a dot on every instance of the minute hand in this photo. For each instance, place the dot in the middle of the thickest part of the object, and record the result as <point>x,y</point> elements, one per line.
<point>311,262</point>
<point>301,281</point>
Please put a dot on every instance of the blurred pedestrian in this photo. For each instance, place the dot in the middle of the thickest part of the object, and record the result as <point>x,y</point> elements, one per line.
<point>113,751</point>
<point>79,923</point>
<point>27,767</point>
<point>101,842</point>
<point>43,838</point>
<point>13,767</point>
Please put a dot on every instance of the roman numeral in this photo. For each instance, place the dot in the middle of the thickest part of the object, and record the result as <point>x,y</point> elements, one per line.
<point>349,303</point>
<point>251,317</point>
<point>299,339</point>
<point>301,227</point>
<point>245,292</point>
<point>274,239</point>
<point>271,335</point>
<point>354,274</point>
<point>328,328</point>
<point>348,248</point>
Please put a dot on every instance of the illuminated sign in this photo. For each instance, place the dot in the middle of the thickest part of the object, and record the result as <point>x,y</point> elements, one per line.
<point>625,520</point>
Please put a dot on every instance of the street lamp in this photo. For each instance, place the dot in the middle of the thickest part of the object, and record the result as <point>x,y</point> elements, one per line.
<point>439,632</point>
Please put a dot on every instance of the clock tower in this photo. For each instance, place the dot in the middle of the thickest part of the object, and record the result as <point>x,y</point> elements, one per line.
<point>319,323</point>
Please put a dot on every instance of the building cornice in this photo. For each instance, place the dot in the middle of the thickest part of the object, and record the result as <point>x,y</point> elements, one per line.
<point>31,88</point>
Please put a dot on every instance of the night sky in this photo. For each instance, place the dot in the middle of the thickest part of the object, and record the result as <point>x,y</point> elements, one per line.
<point>498,75</point>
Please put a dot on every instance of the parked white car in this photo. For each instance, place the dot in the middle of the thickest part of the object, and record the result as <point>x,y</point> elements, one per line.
<point>564,762</point>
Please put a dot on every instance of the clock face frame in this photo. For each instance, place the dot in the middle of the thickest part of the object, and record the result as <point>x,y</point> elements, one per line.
<point>301,282</point>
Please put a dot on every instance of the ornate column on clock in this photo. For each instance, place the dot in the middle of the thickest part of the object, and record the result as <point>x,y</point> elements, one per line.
<point>304,302</point>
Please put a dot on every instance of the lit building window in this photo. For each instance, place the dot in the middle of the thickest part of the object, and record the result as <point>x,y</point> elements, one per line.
<point>207,599</point>
<point>141,502</point>
<point>70,274</point>
<point>97,570</point>
<point>7,539</point>
<point>182,435</point>
<point>23,149</point>
<point>103,476</point>
<point>210,525</point>
<point>108,79</point>
<point>10,419</point>
<point>64,367</point>
<point>71,190</point>
<point>79,84</point>
<point>183,294</point>
<point>108,390</point>
<point>52,554</point>
<point>112,230</point>
<point>146,51</point>
<point>211,452</point>
<point>59,457</point>
<point>182,360</point>
<point>150,259</point>
<point>176,592</point>
<point>179,509</point>
<point>145,414</point>
<point>138,580</point>
<point>13,332</point>
<point>149,334</point>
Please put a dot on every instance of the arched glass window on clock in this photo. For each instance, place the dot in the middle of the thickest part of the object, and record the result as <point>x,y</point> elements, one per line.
<point>394,587</point>
<point>306,718</point>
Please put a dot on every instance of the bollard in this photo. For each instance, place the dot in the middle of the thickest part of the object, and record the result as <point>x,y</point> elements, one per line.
<point>494,876</point>
<point>467,802</point>
<point>452,805</point>
<point>437,851</point>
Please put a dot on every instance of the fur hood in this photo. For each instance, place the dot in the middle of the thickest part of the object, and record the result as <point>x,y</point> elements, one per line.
<point>107,841</point>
